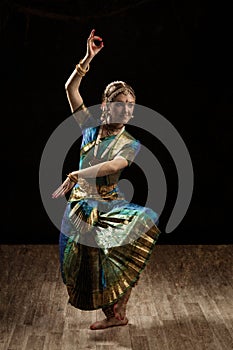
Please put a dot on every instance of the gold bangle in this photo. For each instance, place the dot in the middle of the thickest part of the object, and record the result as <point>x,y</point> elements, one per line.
<point>72,178</point>
<point>86,69</point>
<point>80,70</point>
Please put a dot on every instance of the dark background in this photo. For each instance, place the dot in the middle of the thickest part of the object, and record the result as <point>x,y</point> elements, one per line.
<point>177,56</point>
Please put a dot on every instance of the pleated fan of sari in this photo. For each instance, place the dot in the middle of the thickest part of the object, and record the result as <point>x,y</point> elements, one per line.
<point>113,271</point>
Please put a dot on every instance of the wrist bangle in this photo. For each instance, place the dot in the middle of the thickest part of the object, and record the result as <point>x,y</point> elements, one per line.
<point>72,178</point>
<point>80,70</point>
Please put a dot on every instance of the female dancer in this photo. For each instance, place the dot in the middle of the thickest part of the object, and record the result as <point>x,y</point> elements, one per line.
<point>105,241</point>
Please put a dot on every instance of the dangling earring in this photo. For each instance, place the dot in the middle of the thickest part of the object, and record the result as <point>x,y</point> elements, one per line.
<point>103,115</point>
<point>108,116</point>
<point>132,116</point>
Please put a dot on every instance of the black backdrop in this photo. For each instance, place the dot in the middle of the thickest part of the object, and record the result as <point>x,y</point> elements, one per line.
<point>177,56</point>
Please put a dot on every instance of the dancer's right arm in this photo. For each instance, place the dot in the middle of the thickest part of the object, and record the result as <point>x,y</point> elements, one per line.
<point>73,83</point>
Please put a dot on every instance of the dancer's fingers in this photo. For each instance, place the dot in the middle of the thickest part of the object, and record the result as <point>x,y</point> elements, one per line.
<point>92,34</point>
<point>58,192</point>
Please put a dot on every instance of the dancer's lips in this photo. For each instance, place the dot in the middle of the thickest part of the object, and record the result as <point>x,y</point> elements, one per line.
<point>124,116</point>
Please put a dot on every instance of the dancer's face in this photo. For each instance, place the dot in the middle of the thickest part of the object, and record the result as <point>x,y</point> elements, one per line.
<point>122,108</point>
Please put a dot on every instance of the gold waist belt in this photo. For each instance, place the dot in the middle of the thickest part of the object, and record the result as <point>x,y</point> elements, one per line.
<point>87,189</point>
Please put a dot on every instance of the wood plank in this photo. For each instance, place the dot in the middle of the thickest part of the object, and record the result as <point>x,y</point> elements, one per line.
<point>183,300</point>
<point>35,342</point>
<point>53,341</point>
<point>139,342</point>
<point>151,328</point>
<point>215,315</point>
<point>183,322</point>
<point>202,332</point>
<point>19,337</point>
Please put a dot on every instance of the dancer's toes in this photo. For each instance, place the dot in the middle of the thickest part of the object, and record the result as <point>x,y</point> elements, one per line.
<point>108,322</point>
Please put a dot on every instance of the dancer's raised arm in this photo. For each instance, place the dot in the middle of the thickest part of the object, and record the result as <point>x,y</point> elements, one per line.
<point>73,83</point>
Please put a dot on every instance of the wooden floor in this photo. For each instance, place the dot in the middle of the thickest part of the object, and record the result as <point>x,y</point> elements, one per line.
<point>183,301</point>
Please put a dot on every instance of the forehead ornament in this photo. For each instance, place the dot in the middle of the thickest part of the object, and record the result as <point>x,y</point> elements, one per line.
<point>121,90</point>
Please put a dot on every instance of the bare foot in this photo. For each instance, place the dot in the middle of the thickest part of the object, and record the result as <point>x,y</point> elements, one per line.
<point>108,322</point>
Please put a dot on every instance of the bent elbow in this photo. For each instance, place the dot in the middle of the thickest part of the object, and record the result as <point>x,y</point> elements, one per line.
<point>67,86</point>
<point>70,85</point>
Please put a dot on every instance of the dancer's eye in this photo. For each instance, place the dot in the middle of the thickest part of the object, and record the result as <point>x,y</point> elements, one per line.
<point>130,104</point>
<point>119,104</point>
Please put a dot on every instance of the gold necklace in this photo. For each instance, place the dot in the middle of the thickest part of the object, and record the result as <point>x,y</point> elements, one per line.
<point>97,142</point>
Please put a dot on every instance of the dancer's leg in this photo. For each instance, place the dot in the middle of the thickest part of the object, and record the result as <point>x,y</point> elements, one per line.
<point>120,307</point>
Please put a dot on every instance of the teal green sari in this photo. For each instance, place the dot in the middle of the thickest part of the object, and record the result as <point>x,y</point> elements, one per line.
<point>105,241</point>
